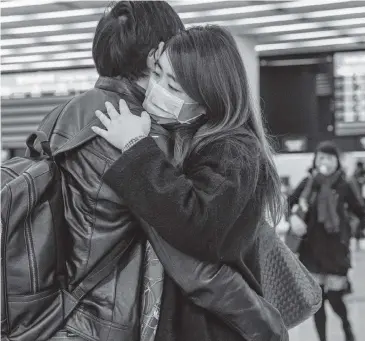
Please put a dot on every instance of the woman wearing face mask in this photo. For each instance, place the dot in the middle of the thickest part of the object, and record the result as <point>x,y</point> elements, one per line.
<point>324,250</point>
<point>208,189</point>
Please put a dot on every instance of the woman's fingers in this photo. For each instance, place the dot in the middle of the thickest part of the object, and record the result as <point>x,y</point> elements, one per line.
<point>123,108</point>
<point>146,123</point>
<point>112,112</point>
<point>146,118</point>
<point>103,118</point>
<point>101,132</point>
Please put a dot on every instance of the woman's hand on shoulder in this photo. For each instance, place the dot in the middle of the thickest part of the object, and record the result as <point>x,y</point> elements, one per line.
<point>123,126</point>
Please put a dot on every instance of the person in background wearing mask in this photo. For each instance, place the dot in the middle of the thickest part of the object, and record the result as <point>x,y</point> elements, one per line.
<point>325,249</point>
<point>207,192</point>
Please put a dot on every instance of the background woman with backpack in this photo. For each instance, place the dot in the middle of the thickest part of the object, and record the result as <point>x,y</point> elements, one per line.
<point>325,197</point>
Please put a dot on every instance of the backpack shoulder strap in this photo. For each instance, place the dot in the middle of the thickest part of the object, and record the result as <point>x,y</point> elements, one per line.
<point>43,133</point>
<point>46,128</point>
<point>100,272</point>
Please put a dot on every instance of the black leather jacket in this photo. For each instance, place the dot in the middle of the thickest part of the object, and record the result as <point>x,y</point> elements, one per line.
<point>97,219</point>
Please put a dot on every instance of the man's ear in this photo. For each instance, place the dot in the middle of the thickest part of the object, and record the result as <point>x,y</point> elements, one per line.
<point>159,51</point>
<point>154,55</point>
<point>151,60</point>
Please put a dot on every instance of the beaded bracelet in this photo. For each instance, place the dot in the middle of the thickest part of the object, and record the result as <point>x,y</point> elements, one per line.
<point>132,142</point>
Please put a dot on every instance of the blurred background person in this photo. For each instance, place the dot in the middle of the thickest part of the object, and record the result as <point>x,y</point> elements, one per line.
<point>359,182</point>
<point>325,247</point>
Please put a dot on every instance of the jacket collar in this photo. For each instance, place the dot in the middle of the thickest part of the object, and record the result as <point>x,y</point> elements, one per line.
<point>121,86</point>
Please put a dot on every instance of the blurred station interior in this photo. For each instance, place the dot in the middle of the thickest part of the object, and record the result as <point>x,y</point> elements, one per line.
<point>305,60</point>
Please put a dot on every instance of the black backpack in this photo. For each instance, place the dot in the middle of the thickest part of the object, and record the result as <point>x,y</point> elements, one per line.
<point>34,301</point>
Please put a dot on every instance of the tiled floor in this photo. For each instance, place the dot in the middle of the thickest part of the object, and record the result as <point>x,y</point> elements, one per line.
<point>356,305</point>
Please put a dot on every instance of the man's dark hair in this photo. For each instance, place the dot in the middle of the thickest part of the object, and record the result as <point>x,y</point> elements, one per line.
<point>126,34</point>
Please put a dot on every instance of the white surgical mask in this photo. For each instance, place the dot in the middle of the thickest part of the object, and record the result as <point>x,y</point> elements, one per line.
<point>160,102</point>
<point>324,170</point>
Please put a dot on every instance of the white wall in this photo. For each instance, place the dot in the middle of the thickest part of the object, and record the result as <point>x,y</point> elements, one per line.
<point>296,165</point>
<point>252,65</point>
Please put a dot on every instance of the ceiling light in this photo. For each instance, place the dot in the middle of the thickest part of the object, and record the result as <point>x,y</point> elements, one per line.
<point>47,57</point>
<point>71,55</point>
<point>308,35</point>
<point>310,3</point>
<point>47,65</point>
<point>285,28</point>
<point>52,15</point>
<point>12,67</point>
<point>63,63</point>
<point>227,11</point>
<point>358,30</point>
<point>21,3</point>
<point>304,44</point>
<point>19,41</point>
<point>45,48</point>
<point>250,21</point>
<point>48,39</point>
<point>22,59</point>
<point>65,37</point>
<point>335,12</point>
<point>346,22</point>
<point>49,28</point>
<point>334,41</point>
<point>193,2</point>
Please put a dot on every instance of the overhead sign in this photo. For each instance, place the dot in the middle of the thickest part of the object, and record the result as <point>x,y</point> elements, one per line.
<point>349,72</point>
<point>55,82</point>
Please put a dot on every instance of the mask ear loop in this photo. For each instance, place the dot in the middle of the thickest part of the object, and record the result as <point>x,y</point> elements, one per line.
<point>191,120</point>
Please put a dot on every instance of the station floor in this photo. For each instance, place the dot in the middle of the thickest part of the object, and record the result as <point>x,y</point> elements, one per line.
<point>355,302</point>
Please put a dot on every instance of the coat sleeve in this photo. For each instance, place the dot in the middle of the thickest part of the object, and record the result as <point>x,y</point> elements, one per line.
<point>220,290</point>
<point>193,212</point>
<point>354,200</point>
<point>294,197</point>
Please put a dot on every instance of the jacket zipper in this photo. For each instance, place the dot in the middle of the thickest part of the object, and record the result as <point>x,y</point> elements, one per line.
<point>29,237</point>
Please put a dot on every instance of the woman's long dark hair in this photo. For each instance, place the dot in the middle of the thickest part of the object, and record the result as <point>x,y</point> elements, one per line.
<point>208,66</point>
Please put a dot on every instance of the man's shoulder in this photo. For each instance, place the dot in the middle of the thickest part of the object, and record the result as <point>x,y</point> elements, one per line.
<point>79,112</point>
<point>95,99</point>
<point>78,115</point>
